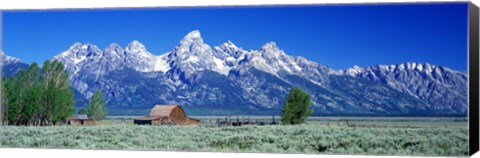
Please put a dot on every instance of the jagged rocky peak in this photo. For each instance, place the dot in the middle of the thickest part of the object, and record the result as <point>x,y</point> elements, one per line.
<point>191,47</point>
<point>193,36</point>
<point>416,66</point>
<point>354,70</point>
<point>407,66</point>
<point>271,50</point>
<point>78,52</point>
<point>229,51</point>
<point>387,67</point>
<point>136,46</point>
<point>83,47</point>
<point>228,46</point>
<point>116,70</point>
<point>270,46</point>
<point>5,59</point>
<point>137,54</point>
<point>114,49</point>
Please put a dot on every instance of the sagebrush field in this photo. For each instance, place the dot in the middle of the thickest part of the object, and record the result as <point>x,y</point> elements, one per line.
<point>313,139</point>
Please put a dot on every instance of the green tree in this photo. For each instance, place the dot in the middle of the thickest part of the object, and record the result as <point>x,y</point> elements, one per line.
<point>96,107</point>
<point>22,96</point>
<point>10,100</point>
<point>34,98</point>
<point>58,101</point>
<point>82,111</point>
<point>297,107</point>
<point>32,93</point>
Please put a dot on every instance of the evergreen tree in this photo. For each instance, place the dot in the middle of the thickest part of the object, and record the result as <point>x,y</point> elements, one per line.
<point>96,107</point>
<point>297,107</point>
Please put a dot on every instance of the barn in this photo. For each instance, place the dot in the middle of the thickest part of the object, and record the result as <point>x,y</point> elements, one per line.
<point>80,120</point>
<point>166,115</point>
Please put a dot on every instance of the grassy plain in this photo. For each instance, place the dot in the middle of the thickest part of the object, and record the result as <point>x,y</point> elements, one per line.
<point>315,137</point>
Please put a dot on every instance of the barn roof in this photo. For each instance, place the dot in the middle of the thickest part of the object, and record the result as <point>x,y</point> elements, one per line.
<point>163,110</point>
<point>193,119</point>
<point>149,117</point>
<point>80,117</point>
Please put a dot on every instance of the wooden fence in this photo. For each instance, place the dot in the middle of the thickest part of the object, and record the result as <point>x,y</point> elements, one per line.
<point>238,121</point>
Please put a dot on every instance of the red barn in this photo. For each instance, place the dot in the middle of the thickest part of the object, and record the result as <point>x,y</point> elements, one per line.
<point>166,115</point>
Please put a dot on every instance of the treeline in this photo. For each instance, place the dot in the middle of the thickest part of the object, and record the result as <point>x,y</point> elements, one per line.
<point>38,97</point>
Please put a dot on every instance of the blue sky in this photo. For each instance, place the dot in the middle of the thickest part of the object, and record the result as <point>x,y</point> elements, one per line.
<point>338,36</point>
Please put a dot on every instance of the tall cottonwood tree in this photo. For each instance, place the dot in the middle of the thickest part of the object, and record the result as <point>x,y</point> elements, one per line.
<point>34,98</point>
<point>10,101</point>
<point>58,97</point>
<point>31,93</point>
<point>96,107</point>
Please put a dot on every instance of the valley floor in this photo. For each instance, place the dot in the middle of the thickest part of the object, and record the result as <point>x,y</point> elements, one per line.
<point>310,138</point>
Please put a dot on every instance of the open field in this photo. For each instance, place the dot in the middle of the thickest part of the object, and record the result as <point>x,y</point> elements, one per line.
<point>380,122</point>
<point>314,139</point>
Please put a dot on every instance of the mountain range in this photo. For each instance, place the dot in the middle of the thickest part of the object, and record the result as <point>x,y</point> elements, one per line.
<point>229,80</point>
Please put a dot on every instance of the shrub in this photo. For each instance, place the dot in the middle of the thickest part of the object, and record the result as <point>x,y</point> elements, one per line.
<point>283,139</point>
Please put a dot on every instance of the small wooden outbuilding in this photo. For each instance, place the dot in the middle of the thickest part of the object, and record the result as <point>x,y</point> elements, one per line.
<point>80,120</point>
<point>166,115</point>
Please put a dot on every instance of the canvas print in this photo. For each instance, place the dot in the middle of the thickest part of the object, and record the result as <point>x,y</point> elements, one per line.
<point>361,79</point>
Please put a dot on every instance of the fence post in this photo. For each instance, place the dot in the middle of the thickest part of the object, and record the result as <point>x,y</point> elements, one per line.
<point>238,122</point>
<point>273,119</point>
<point>243,121</point>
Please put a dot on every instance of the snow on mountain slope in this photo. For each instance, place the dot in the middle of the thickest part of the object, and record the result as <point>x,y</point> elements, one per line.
<point>192,55</point>
<point>441,87</point>
<point>137,55</point>
<point>196,73</point>
<point>189,56</point>
<point>114,57</point>
<point>11,65</point>
<point>8,59</point>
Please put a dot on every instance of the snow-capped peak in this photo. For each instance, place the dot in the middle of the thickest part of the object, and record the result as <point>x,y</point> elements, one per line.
<point>229,51</point>
<point>76,45</point>
<point>137,56</point>
<point>5,59</point>
<point>114,51</point>
<point>412,68</point>
<point>134,56</point>
<point>354,70</point>
<point>192,36</point>
<point>83,46</point>
<point>136,46</point>
<point>191,55</point>
<point>79,52</point>
<point>272,51</point>
<point>229,44</point>
<point>192,44</point>
<point>270,46</point>
<point>113,48</point>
